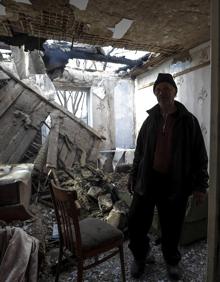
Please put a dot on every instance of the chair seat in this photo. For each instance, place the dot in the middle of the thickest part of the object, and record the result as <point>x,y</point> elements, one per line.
<point>87,238</point>
<point>95,233</point>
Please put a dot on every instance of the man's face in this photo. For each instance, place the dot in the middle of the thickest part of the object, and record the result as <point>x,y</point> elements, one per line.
<point>165,94</point>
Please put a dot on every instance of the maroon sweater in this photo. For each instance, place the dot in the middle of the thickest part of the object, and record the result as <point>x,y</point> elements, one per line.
<point>162,155</point>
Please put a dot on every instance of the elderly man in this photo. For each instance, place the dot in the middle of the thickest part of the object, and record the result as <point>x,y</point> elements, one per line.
<point>170,164</point>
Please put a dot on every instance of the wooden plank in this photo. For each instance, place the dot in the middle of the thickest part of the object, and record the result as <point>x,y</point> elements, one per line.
<point>83,141</point>
<point>67,153</point>
<point>40,113</point>
<point>8,131</point>
<point>52,153</point>
<point>94,150</point>
<point>83,146</point>
<point>3,75</point>
<point>27,102</point>
<point>76,133</point>
<point>23,117</point>
<point>63,150</point>
<point>15,147</point>
<point>52,104</point>
<point>213,273</point>
<point>22,146</point>
<point>8,95</point>
<point>70,158</point>
<point>14,131</point>
<point>20,125</point>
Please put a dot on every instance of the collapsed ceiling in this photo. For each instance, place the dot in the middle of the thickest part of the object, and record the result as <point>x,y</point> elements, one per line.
<point>165,27</point>
<point>153,25</point>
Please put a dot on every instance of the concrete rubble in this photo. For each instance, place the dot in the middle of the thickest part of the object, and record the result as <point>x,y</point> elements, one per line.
<point>98,193</point>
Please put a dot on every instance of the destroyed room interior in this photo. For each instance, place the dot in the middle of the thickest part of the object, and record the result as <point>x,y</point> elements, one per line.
<point>76,80</point>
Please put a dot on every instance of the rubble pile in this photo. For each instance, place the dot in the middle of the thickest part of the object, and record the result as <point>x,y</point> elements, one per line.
<point>98,193</point>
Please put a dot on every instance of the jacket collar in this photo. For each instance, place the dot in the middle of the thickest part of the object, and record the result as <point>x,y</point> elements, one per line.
<point>181,109</point>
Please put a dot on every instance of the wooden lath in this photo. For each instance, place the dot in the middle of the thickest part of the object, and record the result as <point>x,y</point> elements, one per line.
<point>43,23</point>
<point>4,29</point>
<point>62,25</point>
<point>153,62</point>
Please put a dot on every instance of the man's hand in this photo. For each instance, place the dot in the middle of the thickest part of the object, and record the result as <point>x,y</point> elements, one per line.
<point>199,197</point>
<point>130,186</point>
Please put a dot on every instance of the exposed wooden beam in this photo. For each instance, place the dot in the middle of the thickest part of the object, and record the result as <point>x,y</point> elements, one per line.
<point>54,57</point>
<point>53,141</point>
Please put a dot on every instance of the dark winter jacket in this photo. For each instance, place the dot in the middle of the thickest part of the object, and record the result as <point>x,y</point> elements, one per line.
<point>189,157</point>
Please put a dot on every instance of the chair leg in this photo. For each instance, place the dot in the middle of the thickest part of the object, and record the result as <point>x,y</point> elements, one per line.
<point>121,252</point>
<point>80,271</point>
<point>58,265</point>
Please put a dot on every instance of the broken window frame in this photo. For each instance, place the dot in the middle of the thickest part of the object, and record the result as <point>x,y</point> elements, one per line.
<point>83,98</point>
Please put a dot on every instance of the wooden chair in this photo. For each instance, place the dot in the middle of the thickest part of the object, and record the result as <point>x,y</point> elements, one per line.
<point>86,238</point>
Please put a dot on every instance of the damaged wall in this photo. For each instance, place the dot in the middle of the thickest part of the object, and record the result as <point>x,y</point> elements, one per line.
<point>103,112</point>
<point>113,112</point>
<point>124,114</point>
<point>111,104</point>
<point>192,76</point>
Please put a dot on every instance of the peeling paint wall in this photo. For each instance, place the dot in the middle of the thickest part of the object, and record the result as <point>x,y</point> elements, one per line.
<point>103,114</point>
<point>113,113</point>
<point>193,79</point>
<point>124,116</point>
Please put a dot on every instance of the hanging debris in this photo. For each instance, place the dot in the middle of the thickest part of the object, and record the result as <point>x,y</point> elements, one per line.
<point>22,113</point>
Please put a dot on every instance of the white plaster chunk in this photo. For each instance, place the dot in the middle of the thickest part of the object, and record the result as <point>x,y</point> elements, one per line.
<point>117,157</point>
<point>121,28</point>
<point>94,192</point>
<point>2,10</point>
<point>80,4</point>
<point>129,157</point>
<point>23,1</point>
<point>105,202</point>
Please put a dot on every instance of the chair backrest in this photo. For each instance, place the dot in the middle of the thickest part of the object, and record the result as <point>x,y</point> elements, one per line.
<point>67,215</point>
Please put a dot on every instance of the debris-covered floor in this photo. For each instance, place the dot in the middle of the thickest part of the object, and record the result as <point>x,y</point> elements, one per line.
<point>194,257</point>
<point>193,260</point>
<point>193,264</point>
<point>41,226</point>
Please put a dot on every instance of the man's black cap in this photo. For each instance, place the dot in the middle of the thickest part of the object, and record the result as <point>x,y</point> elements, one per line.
<point>165,77</point>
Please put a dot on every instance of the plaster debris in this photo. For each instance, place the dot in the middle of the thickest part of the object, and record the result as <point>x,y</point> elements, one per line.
<point>2,10</point>
<point>80,4</point>
<point>23,1</point>
<point>121,28</point>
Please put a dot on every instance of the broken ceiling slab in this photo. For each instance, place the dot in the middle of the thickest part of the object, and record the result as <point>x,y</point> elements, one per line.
<point>60,54</point>
<point>56,57</point>
<point>171,32</point>
<point>80,4</point>
<point>121,28</point>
